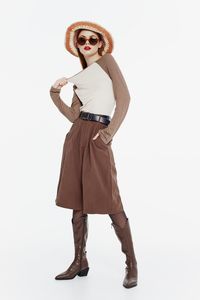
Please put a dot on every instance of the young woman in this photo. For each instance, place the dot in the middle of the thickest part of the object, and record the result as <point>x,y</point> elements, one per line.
<point>88,177</point>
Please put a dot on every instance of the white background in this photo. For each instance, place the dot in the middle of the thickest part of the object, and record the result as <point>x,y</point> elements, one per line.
<point>156,150</point>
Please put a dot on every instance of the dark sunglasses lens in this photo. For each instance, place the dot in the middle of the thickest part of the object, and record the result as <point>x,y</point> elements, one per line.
<point>93,41</point>
<point>81,40</point>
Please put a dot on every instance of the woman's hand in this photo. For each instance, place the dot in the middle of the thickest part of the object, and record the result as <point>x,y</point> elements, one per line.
<point>94,138</point>
<point>60,83</point>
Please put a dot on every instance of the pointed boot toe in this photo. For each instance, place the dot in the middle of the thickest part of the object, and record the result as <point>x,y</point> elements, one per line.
<point>80,265</point>
<point>125,237</point>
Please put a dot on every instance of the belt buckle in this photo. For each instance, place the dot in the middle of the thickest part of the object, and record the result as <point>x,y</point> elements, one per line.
<point>100,119</point>
<point>89,117</point>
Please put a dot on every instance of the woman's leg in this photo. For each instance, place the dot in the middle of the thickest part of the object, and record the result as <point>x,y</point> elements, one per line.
<point>119,218</point>
<point>79,266</point>
<point>122,229</point>
<point>76,214</point>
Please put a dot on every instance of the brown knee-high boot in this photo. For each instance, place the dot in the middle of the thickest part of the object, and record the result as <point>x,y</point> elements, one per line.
<point>79,266</point>
<point>125,238</point>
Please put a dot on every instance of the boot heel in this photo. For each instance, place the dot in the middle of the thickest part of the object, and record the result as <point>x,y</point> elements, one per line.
<point>83,272</point>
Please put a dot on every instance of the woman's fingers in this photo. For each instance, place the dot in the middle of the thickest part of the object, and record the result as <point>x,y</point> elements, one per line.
<point>94,138</point>
<point>60,82</point>
<point>63,81</point>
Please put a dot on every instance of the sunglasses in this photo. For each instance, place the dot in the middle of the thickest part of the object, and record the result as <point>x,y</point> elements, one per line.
<point>82,40</point>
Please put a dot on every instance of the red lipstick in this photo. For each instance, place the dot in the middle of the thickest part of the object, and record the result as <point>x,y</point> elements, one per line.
<point>87,48</point>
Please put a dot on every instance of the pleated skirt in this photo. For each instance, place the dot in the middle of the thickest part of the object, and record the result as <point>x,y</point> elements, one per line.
<point>88,175</point>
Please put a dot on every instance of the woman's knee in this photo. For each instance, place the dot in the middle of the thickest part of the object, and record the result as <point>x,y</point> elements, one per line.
<point>78,214</point>
<point>119,218</point>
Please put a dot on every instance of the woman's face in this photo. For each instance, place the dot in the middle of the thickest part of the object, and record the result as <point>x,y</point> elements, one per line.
<point>88,49</point>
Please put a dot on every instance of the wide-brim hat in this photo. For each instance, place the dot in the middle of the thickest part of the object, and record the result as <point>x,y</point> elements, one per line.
<point>87,25</point>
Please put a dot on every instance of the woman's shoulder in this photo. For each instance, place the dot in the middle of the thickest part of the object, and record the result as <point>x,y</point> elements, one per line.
<point>108,63</point>
<point>109,57</point>
<point>110,60</point>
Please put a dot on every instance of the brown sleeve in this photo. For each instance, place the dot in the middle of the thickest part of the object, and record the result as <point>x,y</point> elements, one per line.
<point>122,98</point>
<point>71,113</point>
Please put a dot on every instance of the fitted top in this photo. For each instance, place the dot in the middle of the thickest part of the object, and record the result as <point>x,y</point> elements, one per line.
<point>94,89</point>
<point>98,88</point>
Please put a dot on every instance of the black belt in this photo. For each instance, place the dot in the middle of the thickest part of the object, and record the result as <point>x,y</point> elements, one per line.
<point>94,117</point>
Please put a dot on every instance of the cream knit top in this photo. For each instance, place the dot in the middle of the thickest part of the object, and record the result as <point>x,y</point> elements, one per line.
<point>97,89</point>
<point>94,89</point>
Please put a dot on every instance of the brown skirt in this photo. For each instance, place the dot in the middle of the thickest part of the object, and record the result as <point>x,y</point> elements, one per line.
<point>88,176</point>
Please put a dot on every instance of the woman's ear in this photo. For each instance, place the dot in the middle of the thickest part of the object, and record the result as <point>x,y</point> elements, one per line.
<point>100,44</point>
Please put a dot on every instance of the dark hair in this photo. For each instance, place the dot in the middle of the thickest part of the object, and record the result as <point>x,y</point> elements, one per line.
<point>81,56</point>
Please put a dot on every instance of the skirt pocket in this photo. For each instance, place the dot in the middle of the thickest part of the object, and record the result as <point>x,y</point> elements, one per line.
<point>100,142</point>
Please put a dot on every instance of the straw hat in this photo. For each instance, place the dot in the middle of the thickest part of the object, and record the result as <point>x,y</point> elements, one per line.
<point>70,36</point>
